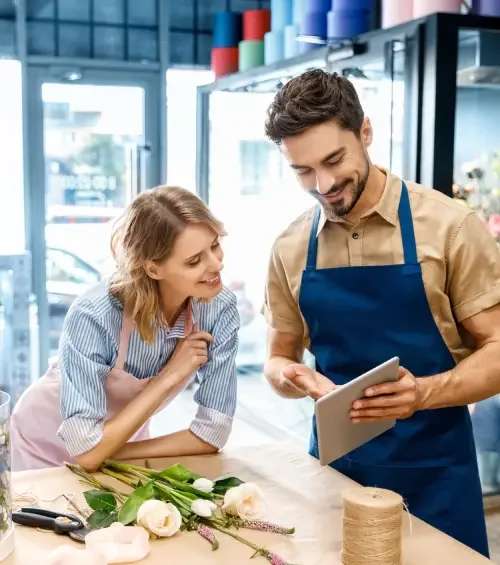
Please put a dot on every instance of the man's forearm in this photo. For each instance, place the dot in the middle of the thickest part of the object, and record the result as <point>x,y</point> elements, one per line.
<point>177,444</point>
<point>280,385</point>
<point>472,380</point>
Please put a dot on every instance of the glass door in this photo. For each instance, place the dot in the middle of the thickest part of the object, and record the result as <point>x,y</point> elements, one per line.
<point>94,141</point>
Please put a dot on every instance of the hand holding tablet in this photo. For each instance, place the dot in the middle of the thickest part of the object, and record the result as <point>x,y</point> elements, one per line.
<point>337,433</point>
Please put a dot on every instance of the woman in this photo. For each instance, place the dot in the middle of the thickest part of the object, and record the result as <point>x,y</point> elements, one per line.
<point>135,341</point>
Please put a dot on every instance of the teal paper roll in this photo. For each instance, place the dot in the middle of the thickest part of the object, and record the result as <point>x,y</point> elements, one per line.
<point>291,45</point>
<point>251,54</point>
<point>274,44</point>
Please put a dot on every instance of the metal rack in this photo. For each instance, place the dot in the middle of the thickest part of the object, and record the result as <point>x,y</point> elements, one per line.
<point>431,47</point>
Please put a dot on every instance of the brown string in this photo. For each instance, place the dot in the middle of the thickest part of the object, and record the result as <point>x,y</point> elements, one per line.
<point>372,521</point>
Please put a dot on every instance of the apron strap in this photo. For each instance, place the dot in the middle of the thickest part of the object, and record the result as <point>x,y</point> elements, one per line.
<point>405,222</point>
<point>124,341</point>
<point>312,251</point>
<point>407,230</point>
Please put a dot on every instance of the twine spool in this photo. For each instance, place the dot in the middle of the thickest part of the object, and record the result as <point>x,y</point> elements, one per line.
<point>372,521</point>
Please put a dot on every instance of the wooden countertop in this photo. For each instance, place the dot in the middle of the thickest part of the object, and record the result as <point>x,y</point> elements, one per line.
<point>299,492</point>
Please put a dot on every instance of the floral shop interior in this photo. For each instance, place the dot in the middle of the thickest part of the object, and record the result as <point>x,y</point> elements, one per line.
<point>216,461</point>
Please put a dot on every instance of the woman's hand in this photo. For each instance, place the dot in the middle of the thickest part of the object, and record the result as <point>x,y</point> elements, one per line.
<point>189,355</point>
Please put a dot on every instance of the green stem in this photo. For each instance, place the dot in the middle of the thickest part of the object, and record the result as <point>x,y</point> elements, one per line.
<point>118,464</point>
<point>96,483</point>
<point>255,547</point>
<point>123,478</point>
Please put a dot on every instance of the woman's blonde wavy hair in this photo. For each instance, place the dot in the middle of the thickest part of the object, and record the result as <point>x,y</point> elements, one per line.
<point>147,231</point>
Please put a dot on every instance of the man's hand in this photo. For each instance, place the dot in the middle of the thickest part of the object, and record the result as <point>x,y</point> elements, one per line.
<point>307,380</point>
<point>393,400</point>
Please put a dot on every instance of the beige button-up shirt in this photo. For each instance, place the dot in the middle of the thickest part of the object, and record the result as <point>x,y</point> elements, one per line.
<point>460,260</point>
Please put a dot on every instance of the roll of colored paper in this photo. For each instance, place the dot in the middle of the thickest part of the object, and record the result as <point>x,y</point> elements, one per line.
<point>299,11</point>
<point>314,24</point>
<point>274,46</point>
<point>256,23</point>
<point>251,54</point>
<point>395,12</point>
<point>318,6</point>
<point>281,14</point>
<point>489,7</point>
<point>291,48</point>
<point>227,29</point>
<point>305,47</point>
<point>225,60</point>
<point>345,24</point>
<point>356,5</point>
<point>423,8</point>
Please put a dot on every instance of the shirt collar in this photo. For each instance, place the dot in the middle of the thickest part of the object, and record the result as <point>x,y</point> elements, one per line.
<point>386,207</point>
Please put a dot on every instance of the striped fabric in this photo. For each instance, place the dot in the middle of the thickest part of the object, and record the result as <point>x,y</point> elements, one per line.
<point>89,348</point>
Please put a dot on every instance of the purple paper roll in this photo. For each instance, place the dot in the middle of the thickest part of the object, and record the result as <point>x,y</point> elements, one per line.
<point>314,24</point>
<point>489,7</point>
<point>354,5</point>
<point>318,6</point>
<point>346,24</point>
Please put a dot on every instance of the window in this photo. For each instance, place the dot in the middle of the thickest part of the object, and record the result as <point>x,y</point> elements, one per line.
<point>254,166</point>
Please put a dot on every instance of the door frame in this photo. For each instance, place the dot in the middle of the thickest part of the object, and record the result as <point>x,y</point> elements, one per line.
<point>154,136</point>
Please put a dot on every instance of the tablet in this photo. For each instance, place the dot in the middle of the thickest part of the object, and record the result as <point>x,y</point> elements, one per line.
<point>337,434</point>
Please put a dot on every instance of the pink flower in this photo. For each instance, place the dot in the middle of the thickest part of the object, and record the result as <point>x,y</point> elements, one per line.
<point>208,534</point>
<point>264,526</point>
<point>276,559</point>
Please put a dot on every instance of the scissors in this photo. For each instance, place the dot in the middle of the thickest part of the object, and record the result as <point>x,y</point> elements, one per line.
<point>59,522</point>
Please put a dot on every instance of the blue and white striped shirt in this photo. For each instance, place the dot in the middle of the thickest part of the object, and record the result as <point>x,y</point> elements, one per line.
<point>89,348</point>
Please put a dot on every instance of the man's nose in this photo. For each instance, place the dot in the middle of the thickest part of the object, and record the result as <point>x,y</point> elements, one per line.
<point>324,182</point>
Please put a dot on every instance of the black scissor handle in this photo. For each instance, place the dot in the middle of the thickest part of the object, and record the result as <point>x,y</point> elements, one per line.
<point>48,520</point>
<point>33,520</point>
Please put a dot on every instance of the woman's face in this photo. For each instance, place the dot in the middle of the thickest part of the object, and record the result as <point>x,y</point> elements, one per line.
<point>193,268</point>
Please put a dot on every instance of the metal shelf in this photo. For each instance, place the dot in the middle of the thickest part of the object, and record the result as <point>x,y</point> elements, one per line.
<point>267,77</point>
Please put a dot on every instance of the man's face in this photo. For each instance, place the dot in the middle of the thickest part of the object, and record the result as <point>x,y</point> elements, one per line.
<point>331,164</point>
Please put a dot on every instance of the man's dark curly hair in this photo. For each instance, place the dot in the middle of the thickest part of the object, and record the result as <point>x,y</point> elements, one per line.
<point>312,98</point>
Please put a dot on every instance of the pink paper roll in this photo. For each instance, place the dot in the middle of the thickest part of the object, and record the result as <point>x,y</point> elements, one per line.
<point>423,8</point>
<point>396,12</point>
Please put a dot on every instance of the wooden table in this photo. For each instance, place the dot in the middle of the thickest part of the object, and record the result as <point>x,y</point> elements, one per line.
<point>299,493</point>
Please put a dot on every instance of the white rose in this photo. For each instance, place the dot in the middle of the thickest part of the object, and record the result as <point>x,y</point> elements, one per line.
<point>160,518</point>
<point>203,508</point>
<point>245,501</point>
<point>205,485</point>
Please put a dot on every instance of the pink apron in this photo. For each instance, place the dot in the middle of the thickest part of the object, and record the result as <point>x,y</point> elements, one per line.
<point>36,417</point>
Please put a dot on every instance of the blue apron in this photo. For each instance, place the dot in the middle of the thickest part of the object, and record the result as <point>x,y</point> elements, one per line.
<point>359,317</point>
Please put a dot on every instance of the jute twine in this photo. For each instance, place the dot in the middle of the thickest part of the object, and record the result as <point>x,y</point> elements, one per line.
<point>372,520</point>
<point>27,499</point>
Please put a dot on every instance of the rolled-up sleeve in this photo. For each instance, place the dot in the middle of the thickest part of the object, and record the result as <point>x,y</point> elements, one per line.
<point>216,395</point>
<point>84,360</point>
<point>473,269</point>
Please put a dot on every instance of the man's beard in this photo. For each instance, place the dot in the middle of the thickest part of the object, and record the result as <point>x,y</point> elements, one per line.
<point>344,206</point>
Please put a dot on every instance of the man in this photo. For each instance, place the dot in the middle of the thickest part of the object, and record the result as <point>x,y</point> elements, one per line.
<point>383,268</point>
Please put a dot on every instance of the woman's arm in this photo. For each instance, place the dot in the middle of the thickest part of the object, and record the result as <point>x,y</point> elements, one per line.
<point>85,353</point>
<point>216,396</point>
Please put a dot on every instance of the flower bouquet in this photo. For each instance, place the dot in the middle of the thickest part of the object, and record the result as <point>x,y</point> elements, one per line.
<point>176,499</point>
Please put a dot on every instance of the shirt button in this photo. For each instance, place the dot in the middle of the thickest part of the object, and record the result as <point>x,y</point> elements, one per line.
<point>355,235</point>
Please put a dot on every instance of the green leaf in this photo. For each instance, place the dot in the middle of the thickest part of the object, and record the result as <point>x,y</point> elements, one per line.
<point>182,506</point>
<point>101,519</point>
<point>223,485</point>
<point>128,512</point>
<point>100,500</point>
<point>177,472</point>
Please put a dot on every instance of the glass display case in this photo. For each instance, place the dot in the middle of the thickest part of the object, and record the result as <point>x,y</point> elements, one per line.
<point>476,183</point>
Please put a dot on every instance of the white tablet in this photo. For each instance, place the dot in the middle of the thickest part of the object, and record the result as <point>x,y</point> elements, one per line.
<point>337,434</point>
